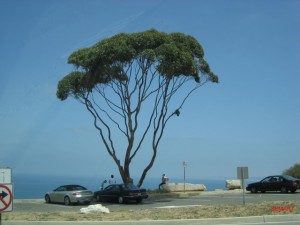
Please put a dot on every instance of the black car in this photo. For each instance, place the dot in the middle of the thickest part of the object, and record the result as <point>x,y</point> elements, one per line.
<point>282,183</point>
<point>121,193</point>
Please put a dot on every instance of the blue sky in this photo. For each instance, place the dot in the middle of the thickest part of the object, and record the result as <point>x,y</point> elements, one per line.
<point>251,118</point>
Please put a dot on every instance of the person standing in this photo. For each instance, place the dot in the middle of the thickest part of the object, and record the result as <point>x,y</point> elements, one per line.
<point>102,184</point>
<point>164,180</point>
<point>112,180</point>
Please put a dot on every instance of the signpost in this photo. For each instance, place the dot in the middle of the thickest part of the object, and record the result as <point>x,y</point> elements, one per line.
<point>242,174</point>
<point>6,191</point>
<point>184,164</point>
<point>6,197</point>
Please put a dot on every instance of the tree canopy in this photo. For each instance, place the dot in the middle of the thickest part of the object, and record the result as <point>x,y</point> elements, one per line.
<point>293,171</point>
<point>117,76</point>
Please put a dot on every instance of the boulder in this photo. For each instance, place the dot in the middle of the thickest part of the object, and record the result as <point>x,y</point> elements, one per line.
<point>184,187</point>
<point>233,184</point>
<point>98,208</point>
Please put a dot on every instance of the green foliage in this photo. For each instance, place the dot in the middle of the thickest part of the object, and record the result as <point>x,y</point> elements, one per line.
<point>174,54</point>
<point>71,84</point>
<point>293,171</point>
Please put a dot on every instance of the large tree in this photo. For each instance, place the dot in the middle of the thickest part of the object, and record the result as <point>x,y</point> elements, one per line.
<point>132,84</point>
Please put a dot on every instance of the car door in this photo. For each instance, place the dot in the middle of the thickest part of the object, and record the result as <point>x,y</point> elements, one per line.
<point>276,183</point>
<point>110,192</point>
<point>266,184</point>
<point>58,194</point>
<point>61,194</point>
<point>116,191</point>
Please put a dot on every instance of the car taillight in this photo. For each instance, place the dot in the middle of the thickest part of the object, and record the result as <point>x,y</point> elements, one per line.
<point>76,194</point>
<point>294,183</point>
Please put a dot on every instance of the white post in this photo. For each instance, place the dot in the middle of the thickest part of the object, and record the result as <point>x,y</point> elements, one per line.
<point>184,164</point>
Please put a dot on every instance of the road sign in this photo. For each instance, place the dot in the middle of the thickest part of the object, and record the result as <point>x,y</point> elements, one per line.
<point>6,197</point>
<point>242,173</point>
<point>5,176</point>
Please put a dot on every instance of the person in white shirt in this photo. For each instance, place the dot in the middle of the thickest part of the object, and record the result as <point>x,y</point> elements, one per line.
<point>164,180</point>
<point>112,180</point>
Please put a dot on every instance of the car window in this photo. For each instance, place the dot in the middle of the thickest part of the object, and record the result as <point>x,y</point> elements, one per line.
<point>110,187</point>
<point>60,189</point>
<point>276,179</point>
<point>70,188</point>
<point>266,180</point>
<point>78,188</point>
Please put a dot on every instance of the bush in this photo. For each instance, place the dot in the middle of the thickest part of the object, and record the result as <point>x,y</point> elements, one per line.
<point>293,171</point>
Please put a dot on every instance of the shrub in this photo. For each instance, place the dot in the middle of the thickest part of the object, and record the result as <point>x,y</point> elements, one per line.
<point>293,171</point>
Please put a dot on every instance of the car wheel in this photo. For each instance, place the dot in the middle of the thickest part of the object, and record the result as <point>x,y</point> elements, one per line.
<point>139,200</point>
<point>253,190</point>
<point>293,190</point>
<point>67,200</point>
<point>283,189</point>
<point>47,199</point>
<point>120,200</point>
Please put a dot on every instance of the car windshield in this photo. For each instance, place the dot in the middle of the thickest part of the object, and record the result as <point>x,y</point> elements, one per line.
<point>76,188</point>
<point>289,177</point>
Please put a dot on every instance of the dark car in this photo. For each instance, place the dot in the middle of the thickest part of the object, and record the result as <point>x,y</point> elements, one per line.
<point>69,194</point>
<point>121,193</point>
<point>280,183</point>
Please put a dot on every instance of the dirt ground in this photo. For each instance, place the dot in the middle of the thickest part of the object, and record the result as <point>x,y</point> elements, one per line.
<point>213,211</point>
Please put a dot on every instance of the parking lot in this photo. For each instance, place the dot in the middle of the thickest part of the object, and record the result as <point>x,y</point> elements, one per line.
<point>162,201</point>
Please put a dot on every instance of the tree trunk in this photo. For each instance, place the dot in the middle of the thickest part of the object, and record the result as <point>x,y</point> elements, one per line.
<point>144,174</point>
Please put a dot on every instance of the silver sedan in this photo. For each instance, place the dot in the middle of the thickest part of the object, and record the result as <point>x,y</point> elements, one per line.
<point>69,194</point>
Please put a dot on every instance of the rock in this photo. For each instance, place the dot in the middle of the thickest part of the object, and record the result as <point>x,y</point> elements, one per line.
<point>219,190</point>
<point>98,208</point>
<point>184,187</point>
<point>233,184</point>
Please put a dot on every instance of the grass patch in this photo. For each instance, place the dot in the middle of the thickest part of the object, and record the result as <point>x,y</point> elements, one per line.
<point>198,212</point>
<point>157,191</point>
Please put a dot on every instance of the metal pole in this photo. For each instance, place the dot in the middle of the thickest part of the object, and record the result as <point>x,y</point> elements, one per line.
<point>184,178</point>
<point>184,164</point>
<point>243,187</point>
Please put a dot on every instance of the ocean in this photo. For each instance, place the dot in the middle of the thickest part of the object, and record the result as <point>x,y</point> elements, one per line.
<point>35,186</point>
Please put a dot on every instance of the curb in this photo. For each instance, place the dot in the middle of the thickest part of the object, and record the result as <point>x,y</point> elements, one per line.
<point>218,221</point>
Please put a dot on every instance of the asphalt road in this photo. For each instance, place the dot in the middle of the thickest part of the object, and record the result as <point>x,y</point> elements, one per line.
<point>184,199</point>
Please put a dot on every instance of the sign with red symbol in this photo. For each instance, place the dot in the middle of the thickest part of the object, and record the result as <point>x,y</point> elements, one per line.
<point>6,197</point>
